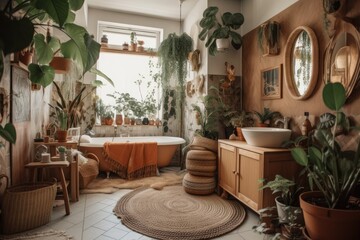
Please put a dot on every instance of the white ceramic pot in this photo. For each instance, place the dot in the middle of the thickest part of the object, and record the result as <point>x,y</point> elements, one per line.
<point>222,44</point>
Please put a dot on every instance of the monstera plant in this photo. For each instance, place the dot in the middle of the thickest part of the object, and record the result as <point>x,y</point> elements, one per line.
<point>28,22</point>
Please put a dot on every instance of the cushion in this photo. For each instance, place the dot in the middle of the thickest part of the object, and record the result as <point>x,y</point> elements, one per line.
<point>198,185</point>
<point>81,159</point>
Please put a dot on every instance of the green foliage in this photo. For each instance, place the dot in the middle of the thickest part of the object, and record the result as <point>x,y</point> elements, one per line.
<point>242,119</point>
<point>224,29</point>
<point>265,115</point>
<point>269,32</point>
<point>8,133</point>
<point>173,53</point>
<point>334,171</point>
<point>289,191</point>
<point>17,34</point>
<point>68,113</point>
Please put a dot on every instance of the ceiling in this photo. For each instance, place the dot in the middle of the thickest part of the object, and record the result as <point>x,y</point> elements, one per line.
<point>169,9</point>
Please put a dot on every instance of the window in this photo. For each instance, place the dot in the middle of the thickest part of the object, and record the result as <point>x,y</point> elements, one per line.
<point>131,73</point>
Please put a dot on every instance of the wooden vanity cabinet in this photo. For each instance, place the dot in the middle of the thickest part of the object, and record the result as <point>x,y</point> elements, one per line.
<point>241,166</point>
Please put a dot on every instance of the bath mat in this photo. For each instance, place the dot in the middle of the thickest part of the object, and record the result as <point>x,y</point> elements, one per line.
<point>168,176</point>
<point>46,235</point>
<point>174,214</point>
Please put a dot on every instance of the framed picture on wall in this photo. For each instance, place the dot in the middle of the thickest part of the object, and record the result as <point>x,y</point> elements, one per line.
<point>271,83</point>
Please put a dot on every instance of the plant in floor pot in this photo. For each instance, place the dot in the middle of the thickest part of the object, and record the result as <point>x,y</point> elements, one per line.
<point>333,170</point>
<point>220,34</point>
<point>288,207</point>
<point>265,117</point>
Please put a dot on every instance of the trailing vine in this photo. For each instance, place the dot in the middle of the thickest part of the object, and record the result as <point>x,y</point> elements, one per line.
<point>173,53</point>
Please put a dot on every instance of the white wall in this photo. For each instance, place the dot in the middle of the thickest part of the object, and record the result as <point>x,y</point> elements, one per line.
<point>96,15</point>
<point>258,11</point>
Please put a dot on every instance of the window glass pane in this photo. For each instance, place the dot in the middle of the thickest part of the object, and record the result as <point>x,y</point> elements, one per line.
<point>126,70</point>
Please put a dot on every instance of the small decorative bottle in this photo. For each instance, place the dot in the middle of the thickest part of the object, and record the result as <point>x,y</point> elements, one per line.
<point>306,126</point>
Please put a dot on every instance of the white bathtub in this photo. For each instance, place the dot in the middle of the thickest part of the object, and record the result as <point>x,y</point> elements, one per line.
<point>166,147</point>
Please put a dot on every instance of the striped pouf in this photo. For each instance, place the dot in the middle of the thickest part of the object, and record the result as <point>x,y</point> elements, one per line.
<point>201,163</point>
<point>199,185</point>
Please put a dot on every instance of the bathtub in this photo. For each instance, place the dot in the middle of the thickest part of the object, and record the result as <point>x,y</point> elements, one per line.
<point>166,148</point>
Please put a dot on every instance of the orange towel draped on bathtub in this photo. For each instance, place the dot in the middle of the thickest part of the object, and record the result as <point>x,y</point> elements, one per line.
<point>132,160</point>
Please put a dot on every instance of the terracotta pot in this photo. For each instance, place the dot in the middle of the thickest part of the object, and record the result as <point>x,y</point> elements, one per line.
<point>132,47</point>
<point>240,134</point>
<point>119,119</point>
<point>126,120</point>
<point>61,65</point>
<point>26,57</point>
<point>102,120</point>
<point>61,135</point>
<point>109,121</point>
<point>262,124</point>
<point>326,223</point>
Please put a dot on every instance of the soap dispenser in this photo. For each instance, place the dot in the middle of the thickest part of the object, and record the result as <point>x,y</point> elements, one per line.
<point>306,126</point>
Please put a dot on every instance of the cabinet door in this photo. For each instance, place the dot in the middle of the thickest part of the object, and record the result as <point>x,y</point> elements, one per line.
<point>249,168</point>
<point>227,166</point>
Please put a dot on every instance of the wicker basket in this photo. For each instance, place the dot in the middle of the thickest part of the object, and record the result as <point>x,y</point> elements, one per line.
<point>26,206</point>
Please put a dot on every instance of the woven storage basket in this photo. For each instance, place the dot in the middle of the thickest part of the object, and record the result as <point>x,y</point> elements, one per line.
<point>88,171</point>
<point>27,206</point>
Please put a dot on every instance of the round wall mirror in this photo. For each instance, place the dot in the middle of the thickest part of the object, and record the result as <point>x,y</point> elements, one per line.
<point>342,62</point>
<point>301,62</point>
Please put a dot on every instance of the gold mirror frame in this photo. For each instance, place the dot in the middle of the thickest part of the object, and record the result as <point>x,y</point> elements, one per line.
<point>289,52</point>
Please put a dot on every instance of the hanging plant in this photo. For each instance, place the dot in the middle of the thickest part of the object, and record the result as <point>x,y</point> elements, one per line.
<point>268,38</point>
<point>173,53</point>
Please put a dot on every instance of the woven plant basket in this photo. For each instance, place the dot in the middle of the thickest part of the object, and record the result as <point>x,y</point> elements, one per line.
<point>26,206</point>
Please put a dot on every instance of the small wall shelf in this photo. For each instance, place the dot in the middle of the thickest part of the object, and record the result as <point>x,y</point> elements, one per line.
<point>116,50</point>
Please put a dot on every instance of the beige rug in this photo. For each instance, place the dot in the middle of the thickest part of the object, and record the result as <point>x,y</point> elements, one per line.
<point>174,214</point>
<point>47,235</point>
<point>167,177</point>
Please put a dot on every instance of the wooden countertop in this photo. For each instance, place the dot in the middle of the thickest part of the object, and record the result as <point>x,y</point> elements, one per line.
<point>244,145</point>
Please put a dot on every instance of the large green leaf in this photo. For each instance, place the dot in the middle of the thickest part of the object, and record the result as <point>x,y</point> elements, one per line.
<point>208,22</point>
<point>15,34</point>
<point>75,48</point>
<point>210,11</point>
<point>227,18</point>
<point>93,50</point>
<point>41,74</point>
<point>300,156</point>
<point>57,9</point>
<point>101,74</point>
<point>45,50</point>
<point>334,96</point>
<point>76,4</point>
<point>8,132</point>
<point>237,20</point>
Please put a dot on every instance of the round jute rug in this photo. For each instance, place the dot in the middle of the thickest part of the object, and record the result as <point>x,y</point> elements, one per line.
<point>174,214</point>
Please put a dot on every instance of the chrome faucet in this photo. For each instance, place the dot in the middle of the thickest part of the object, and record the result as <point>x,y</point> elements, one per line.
<point>285,121</point>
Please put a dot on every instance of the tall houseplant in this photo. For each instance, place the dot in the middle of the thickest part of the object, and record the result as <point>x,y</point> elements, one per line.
<point>214,29</point>
<point>334,171</point>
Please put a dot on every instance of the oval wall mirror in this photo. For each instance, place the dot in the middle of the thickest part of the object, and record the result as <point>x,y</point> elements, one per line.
<point>301,62</point>
<point>341,63</point>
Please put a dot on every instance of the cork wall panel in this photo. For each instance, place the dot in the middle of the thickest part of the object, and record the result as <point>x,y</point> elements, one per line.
<point>302,13</point>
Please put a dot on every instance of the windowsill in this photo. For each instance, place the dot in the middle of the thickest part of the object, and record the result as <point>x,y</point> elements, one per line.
<point>128,130</point>
<point>117,50</point>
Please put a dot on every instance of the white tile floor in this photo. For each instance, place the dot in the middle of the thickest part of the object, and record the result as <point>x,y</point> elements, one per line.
<point>92,218</point>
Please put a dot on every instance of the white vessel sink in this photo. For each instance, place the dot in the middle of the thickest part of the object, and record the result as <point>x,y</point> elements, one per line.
<point>266,137</point>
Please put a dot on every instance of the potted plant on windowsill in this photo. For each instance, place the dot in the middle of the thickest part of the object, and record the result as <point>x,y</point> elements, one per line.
<point>220,33</point>
<point>265,117</point>
<point>334,171</point>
